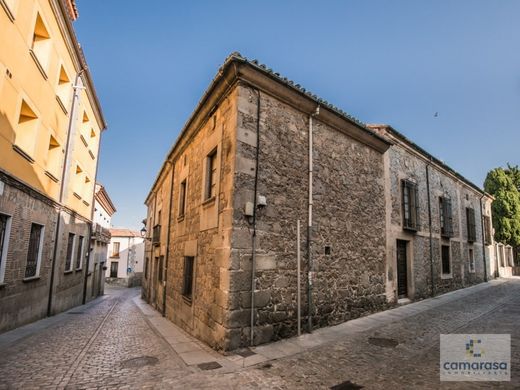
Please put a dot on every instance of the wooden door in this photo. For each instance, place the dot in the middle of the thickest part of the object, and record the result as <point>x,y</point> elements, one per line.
<point>402,269</point>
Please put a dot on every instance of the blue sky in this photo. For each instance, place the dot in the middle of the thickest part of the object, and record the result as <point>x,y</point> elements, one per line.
<point>396,62</point>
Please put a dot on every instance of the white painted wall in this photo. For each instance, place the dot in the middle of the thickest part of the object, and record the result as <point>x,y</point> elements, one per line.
<point>101,216</point>
<point>131,256</point>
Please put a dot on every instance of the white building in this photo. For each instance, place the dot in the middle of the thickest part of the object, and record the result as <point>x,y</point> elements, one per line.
<point>125,258</point>
<point>103,211</point>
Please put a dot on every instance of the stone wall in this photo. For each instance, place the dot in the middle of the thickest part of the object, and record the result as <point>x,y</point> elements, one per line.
<point>23,300</point>
<point>203,231</point>
<point>349,217</point>
<point>404,163</point>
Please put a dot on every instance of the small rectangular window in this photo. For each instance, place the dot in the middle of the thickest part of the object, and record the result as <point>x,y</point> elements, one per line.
<point>187,287</point>
<point>410,203</point>
<point>79,252</point>
<point>5,227</point>
<point>115,249</point>
<point>182,199</point>
<point>470,220</point>
<point>160,269</point>
<point>446,217</point>
<point>211,175</point>
<point>471,260</point>
<point>487,230</point>
<point>446,265</point>
<point>146,265</point>
<point>70,252</point>
<point>34,253</point>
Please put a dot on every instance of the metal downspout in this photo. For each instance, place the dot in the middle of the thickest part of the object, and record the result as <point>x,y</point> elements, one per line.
<point>168,242</point>
<point>255,201</point>
<point>430,225</point>
<point>62,188</point>
<point>309,225</point>
<point>90,229</point>
<point>483,240</point>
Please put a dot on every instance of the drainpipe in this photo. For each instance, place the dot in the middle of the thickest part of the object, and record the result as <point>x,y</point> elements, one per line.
<point>168,242</point>
<point>70,128</point>
<point>255,200</point>
<point>309,225</point>
<point>430,224</point>
<point>483,240</point>
<point>90,229</point>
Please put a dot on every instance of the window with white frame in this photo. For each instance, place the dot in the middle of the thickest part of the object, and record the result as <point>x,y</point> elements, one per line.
<point>34,252</point>
<point>5,228</point>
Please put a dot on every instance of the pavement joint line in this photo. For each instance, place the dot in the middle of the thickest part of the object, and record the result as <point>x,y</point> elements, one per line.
<point>79,358</point>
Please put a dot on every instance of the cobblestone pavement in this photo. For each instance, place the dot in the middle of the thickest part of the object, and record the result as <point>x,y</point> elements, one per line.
<point>112,345</point>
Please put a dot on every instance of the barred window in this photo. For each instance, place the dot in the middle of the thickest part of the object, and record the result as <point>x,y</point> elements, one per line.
<point>446,265</point>
<point>446,217</point>
<point>470,220</point>
<point>187,287</point>
<point>34,252</point>
<point>410,205</point>
<point>70,251</point>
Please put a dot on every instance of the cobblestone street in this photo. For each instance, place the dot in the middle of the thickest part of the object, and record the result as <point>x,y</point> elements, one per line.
<point>93,347</point>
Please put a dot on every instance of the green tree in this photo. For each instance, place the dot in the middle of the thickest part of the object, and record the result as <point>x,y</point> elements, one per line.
<point>504,185</point>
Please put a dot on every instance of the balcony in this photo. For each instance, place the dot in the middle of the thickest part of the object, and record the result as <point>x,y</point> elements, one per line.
<point>156,235</point>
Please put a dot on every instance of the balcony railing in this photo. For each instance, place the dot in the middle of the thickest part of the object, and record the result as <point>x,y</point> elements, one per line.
<point>156,235</point>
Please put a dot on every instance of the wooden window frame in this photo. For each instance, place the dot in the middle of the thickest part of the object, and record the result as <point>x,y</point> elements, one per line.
<point>410,205</point>
<point>471,225</point>
<point>114,253</point>
<point>446,217</point>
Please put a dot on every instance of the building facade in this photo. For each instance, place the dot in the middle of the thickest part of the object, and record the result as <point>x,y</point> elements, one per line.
<point>125,258</point>
<point>439,234</point>
<point>50,127</point>
<point>100,239</point>
<point>265,173</point>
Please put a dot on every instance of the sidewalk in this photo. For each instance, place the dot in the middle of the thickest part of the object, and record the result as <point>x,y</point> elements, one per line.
<point>196,354</point>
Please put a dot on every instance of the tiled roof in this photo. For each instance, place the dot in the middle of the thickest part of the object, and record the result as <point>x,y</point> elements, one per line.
<point>72,8</point>
<point>322,102</point>
<point>121,232</point>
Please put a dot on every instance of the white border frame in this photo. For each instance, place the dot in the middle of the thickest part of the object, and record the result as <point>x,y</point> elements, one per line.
<point>3,255</point>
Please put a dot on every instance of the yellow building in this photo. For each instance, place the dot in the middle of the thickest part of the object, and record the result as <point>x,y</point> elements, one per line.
<point>50,130</point>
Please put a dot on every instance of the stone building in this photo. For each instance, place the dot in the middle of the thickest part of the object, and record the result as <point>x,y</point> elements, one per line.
<point>259,154</point>
<point>438,224</point>
<point>50,127</point>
